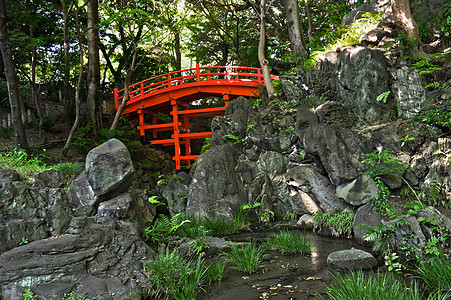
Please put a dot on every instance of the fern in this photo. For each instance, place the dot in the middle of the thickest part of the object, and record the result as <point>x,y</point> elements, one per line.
<point>434,191</point>
<point>383,97</point>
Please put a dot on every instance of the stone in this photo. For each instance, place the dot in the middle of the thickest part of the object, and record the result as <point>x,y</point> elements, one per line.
<point>317,185</point>
<point>338,150</point>
<point>408,235</point>
<point>359,191</point>
<point>8,175</point>
<point>335,115</point>
<point>174,194</point>
<point>393,181</point>
<point>305,221</point>
<point>361,77</point>
<point>273,163</point>
<point>439,219</point>
<point>81,192</point>
<point>115,208</point>
<point>97,257</point>
<point>365,215</point>
<point>216,189</point>
<point>295,87</point>
<point>49,179</point>
<point>109,169</point>
<point>351,259</point>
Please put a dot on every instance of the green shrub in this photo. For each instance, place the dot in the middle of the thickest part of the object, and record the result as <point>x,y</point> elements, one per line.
<point>358,286</point>
<point>215,271</point>
<point>436,273</point>
<point>174,276</point>
<point>245,258</point>
<point>69,168</point>
<point>164,227</point>
<point>289,241</point>
<point>342,221</point>
<point>383,163</point>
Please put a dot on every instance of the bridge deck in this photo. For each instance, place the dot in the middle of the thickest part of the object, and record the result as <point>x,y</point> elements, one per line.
<point>178,89</point>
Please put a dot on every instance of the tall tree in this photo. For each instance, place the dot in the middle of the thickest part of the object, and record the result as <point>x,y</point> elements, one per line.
<point>297,41</point>
<point>94,105</point>
<point>13,84</point>
<point>403,16</point>
<point>264,64</point>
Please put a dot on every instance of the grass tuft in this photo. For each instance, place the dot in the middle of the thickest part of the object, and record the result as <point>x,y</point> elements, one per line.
<point>245,258</point>
<point>358,286</point>
<point>174,276</point>
<point>436,273</point>
<point>289,241</point>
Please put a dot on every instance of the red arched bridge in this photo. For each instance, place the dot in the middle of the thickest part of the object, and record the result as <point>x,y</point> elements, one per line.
<point>175,91</point>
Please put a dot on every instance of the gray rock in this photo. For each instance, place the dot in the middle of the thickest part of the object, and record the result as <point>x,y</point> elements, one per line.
<point>295,87</point>
<point>81,192</point>
<point>365,215</point>
<point>339,151</point>
<point>49,179</point>
<point>8,175</point>
<point>115,208</point>
<point>17,232</point>
<point>215,189</point>
<point>408,89</point>
<point>393,181</point>
<point>109,169</point>
<point>439,219</point>
<point>316,185</point>
<point>98,257</point>
<point>273,163</point>
<point>362,76</point>
<point>175,194</point>
<point>359,191</point>
<point>351,259</point>
<point>409,235</point>
<point>260,190</point>
<point>305,221</point>
<point>335,115</point>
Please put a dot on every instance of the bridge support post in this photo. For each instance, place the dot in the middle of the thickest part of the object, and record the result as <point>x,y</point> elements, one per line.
<point>175,118</point>
<point>141,122</point>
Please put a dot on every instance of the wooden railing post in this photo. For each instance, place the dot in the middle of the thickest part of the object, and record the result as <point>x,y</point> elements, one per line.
<point>169,80</point>
<point>198,73</point>
<point>142,88</point>
<point>116,96</point>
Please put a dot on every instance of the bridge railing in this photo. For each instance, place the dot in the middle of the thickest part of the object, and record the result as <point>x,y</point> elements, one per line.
<point>192,76</point>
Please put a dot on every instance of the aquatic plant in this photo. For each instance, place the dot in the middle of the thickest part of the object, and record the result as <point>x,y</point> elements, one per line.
<point>289,241</point>
<point>174,276</point>
<point>245,258</point>
<point>215,271</point>
<point>356,285</point>
<point>342,221</point>
<point>436,273</point>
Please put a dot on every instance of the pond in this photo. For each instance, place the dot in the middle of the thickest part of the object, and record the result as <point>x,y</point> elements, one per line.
<point>283,276</point>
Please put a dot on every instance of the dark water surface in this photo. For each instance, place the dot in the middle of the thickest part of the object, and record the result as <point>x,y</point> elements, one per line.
<point>284,276</point>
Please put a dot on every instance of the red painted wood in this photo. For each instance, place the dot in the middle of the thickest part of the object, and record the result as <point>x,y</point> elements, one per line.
<point>179,88</point>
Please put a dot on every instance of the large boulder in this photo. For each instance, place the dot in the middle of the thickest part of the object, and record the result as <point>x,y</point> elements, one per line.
<point>216,189</point>
<point>109,169</point>
<point>174,192</point>
<point>339,151</point>
<point>366,215</point>
<point>359,191</point>
<point>108,173</point>
<point>351,259</point>
<point>97,257</point>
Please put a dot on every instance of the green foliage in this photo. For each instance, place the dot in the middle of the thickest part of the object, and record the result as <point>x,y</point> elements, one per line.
<point>29,295</point>
<point>235,138</point>
<point>380,203</point>
<point>24,241</point>
<point>81,138</point>
<point>69,168</point>
<point>155,201</point>
<point>6,133</point>
<point>383,163</point>
<point>425,67</point>
<point>436,273</point>
<point>383,97</point>
<point>215,271</point>
<point>26,165</point>
<point>164,227</point>
<point>405,139</point>
<point>245,258</point>
<point>206,146</point>
<point>349,36</point>
<point>172,275</point>
<point>289,241</point>
<point>357,285</point>
<point>380,235</point>
<point>342,221</point>
<point>198,245</point>
<point>445,20</point>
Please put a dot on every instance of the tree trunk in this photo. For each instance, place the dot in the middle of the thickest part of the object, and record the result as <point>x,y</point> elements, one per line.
<point>128,79</point>
<point>77,89</point>
<point>178,53</point>
<point>11,77</point>
<point>34,92</point>
<point>264,64</point>
<point>310,23</point>
<point>66,86</point>
<point>295,34</point>
<point>403,16</point>
<point>94,105</point>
